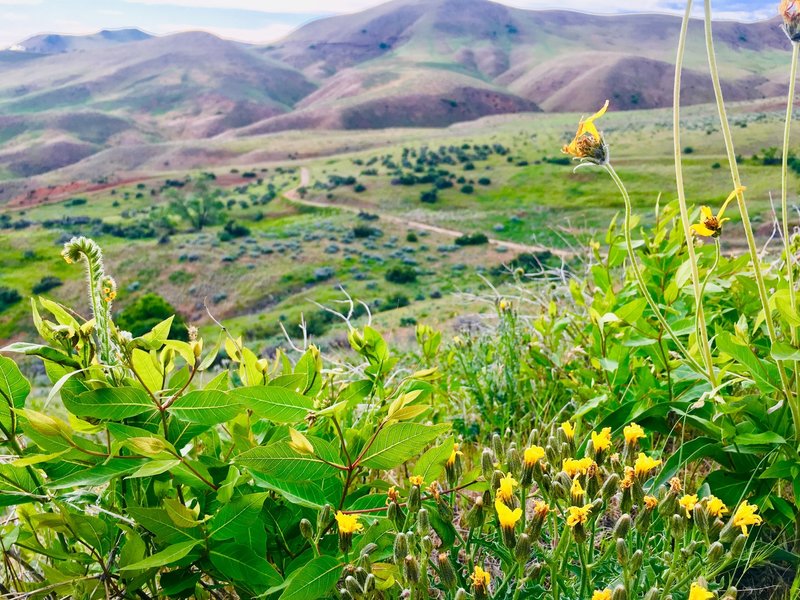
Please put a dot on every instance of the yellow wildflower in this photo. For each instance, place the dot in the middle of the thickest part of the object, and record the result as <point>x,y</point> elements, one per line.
<point>791,19</point>
<point>568,430</point>
<point>480,578</point>
<point>588,142</point>
<point>416,480</point>
<point>602,594</point>
<point>506,490</point>
<point>573,466</point>
<point>644,464</point>
<point>627,480</point>
<point>348,523</point>
<point>650,502</point>
<point>698,592</point>
<point>577,491</point>
<point>533,455</point>
<point>688,501</point>
<point>392,495</point>
<point>540,508</point>
<point>710,225</point>
<point>456,452</point>
<point>716,507</point>
<point>675,485</point>
<point>746,515</point>
<point>578,514</point>
<point>633,433</point>
<point>601,441</point>
<point>508,518</point>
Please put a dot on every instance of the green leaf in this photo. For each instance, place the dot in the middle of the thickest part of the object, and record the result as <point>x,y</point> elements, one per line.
<point>765,438</point>
<point>764,374</point>
<point>784,351</point>
<point>168,555</point>
<point>397,443</point>
<point>111,403</point>
<point>206,407</point>
<point>156,337</point>
<point>42,351</point>
<point>14,388</point>
<point>155,467</point>
<point>240,564</point>
<point>235,518</point>
<point>431,464</point>
<point>97,475</point>
<point>157,521</point>
<point>274,403</point>
<point>280,461</point>
<point>148,369</point>
<point>314,580</point>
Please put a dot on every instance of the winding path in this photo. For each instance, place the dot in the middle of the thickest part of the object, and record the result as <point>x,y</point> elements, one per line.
<point>293,195</point>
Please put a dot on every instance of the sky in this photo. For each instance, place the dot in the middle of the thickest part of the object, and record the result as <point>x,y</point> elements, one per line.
<point>262,21</point>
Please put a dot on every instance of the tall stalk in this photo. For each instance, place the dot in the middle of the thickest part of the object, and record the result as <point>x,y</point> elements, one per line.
<point>787,251</point>
<point>748,228</point>
<point>701,327</point>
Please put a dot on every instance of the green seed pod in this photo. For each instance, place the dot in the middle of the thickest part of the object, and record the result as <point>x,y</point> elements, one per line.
<point>447,573</point>
<point>414,499</point>
<point>353,586</point>
<point>487,464</point>
<point>411,569</point>
<point>622,551</point>
<point>497,446</point>
<point>476,515</point>
<point>400,546</point>
<point>715,552</point>
<point>636,560</point>
<point>619,593</point>
<point>423,522</point>
<point>652,594</point>
<point>700,517</point>
<point>622,526</point>
<point>737,547</point>
<point>610,486</point>
<point>306,529</point>
<point>534,571</point>
<point>427,544</point>
<point>522,551</point>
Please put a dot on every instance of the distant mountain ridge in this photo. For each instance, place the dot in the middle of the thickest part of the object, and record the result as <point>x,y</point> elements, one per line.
<point>422,63</point>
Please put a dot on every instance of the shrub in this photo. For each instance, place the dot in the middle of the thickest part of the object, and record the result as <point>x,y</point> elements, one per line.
<point>8,297</point>
<point>233,230</point>
<point>472,239</point>
<point>401,274</point>
<point>429,196</point>
<point>45,284</point>
<point>412,237</point>
<point>146,312</point>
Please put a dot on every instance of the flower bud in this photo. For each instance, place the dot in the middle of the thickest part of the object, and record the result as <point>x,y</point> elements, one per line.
<point>738,545</point>
<point>636,560</point>
<point>619,593</point>
<point>476,515</point>
<point>622,551</point>
<point>534,572</point>
<point>400,546</point>
<point>622,526</point>
<point>610,486</point>
<point>414,499</point>
<point>369,584</point>
<point>497,446</point>
<point>394,515</point>
<point>730,594</point>
<point>700,517</point>
<point>353,587</point>
<point>668,504</point>
<point>495,479</point>
<point>461,594</point>
<point>552,452</point>
<point>533,436</point>
<point>487,464</point>
<point>345,595</point>
<point>325,517</point>
<point>423,522</point>
<point>597,506</point>
<point>715,551</point>
<point>678,526</point>
<point>652,594</point>
<point>427,544</point>
<point>688,550</point>
<point>306,529</point>
<point>411,569</point>
<point>361,576</point>
<point>447,573</point>
<point>522,551</point>
<point>514,460</point>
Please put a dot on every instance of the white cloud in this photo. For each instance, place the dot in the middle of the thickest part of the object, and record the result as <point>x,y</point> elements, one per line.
<point>273,6</point>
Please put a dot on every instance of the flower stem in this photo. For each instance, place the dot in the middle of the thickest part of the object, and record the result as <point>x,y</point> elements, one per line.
<point>748,228</point>
<point>784,203</point>
<point>638,273</point>
<point>700,318</point>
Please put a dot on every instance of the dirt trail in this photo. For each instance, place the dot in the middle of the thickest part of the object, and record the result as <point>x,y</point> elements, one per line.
<point>293,195</point>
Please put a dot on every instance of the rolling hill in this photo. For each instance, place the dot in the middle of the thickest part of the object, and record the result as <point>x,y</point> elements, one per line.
<point>406,63</point>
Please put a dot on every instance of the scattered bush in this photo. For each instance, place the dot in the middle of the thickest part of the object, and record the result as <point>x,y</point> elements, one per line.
<point>147,312</point>
<point>45,284</point>
<point>472,239</point>
<point>8,297</point>
<point>401,274</point>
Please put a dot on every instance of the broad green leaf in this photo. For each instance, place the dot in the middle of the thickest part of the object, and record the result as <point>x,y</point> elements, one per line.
<point>279,460</point>
<point>206,407</point>
<point>42,351</point>
<point>183,516</point>
<point>431,464</point>
<point>149,370</point>
<point>241,565</point>
<point>157,521</point>
<point>167,556</point>
<point>234,518</point>
<point>154,467</point>
<point>16,485</point>
<point>763,373</point>
<point>314,580</point>
<point>764,438</point>
<point>14,388</point>
<point>111,403</point>
<point>397,443</point>
<point>784,351</point>
<point>274,403</point>
<point>97,475</point>
<point>156,337</point>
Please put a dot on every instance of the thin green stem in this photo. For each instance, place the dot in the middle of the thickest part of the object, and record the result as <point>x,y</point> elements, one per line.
<point>748,228</point>
<point>687,232</point>
<point>784,199</point>
<point>717,254</point>
<point>640,279</point>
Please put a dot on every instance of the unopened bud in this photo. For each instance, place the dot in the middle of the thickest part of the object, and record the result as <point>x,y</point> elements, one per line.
<point>369,584</point>
<point>619,593</point>
<point>400,546</point>
<point>715,552</point>
<point>423,522</point>
<point>487,464</point>
<point>446,572</point>
<point>622,526</point>
<point>622,551</point>
<point>461,594</point>
<point>522,551</point>
<point>652,594</point>
<point>738,545</point>
<point>514,460</point>
<point>414,499</point>
<point>610,486</point>
<point>306,529</point>
<point>636,560</point>
<point>411,569</point>
<point>427,544</point>
<point>497,446</point>
<point>353,587</point>
<point>345,595</point>
<point>534,572</point>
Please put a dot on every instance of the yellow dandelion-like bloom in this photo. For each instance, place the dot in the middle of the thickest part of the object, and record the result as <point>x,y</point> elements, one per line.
<point>627,480</point>
<point>688,501</point>
<point>650,502</point>
<point>578,514</point>
<point>633,433</point>
<point>602,594</point>
<point>577,491</point>
<point>602,441</point>
<point>675,485</point>
<point>791,19</point>
<point>644,464</point>
<point>506,490</point>
<point>746,515</point>
<point>456,452</point>
<point>540,508</point>
<point>348,523</point>
<point>568,430</point>
<point>588,143</point>
<point>480,578</point>
<point>698,592</point>
<point>710,225</point>
<point>392,495</point>
<point>533,455</point>
<point>508,518</point>
<point>416,480</point>
<point>716,507</point>
<point>573,466</point>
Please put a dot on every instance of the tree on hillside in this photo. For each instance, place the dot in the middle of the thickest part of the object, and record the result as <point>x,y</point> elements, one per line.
<point>200,208</point>
<point>147,312</point>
